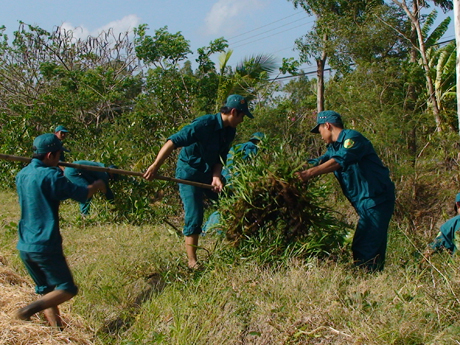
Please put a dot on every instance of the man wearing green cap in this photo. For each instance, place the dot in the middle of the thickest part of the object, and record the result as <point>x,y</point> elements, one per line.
<point>365,181</point>
<point>448,236</point>
<point>205,144</point>
<point>83,177</point>
<point>243,151</point>
<point>61,133</point>
<point>41,186</point>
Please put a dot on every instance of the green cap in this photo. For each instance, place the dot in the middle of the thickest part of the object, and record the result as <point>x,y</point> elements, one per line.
<point>239,103</point>
<point>61,128</point>
<point>457,198</point>
<point>327,116</point>
<point>257,136</point>
<point>47,143</point>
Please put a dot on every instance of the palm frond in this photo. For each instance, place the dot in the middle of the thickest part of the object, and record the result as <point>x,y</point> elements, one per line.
<point>255,66</point>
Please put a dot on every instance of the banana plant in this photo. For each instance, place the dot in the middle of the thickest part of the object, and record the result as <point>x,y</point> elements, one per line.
<point>442,67</point>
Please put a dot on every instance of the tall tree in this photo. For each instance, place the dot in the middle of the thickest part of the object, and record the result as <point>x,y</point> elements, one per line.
<point>45,76</point>
<point>413,11</point>
<point>457,65</point>
<point>320,43</point>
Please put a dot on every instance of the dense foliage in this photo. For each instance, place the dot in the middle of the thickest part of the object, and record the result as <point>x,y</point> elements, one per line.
<point>121,96</point>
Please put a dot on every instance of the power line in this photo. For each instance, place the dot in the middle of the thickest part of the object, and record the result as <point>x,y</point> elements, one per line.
<point>263,26</point>
<point>330,69</point>
<point>277,33</point>
<point>263,33</point>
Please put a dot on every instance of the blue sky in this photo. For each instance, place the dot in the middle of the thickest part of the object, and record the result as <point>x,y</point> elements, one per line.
<point>250,26</point>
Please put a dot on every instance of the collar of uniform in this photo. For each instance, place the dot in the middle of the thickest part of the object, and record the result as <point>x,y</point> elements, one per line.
<point>37,162</point>
<point>339,140</point>
<point>219,123</point>
<point>341,136</point>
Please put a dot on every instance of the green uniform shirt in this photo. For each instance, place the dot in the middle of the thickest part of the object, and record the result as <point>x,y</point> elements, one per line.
<point>40,189</point>
<point>78,176</point>
<point>205,142</point>
<point>364,179</point>
<point>243,151</point>
<point>448,236</point>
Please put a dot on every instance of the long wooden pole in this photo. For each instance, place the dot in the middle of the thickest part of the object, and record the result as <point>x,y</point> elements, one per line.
<point>110,170</point>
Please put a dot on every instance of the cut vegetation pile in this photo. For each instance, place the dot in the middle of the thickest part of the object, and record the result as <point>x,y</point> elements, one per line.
<point>268,209</point>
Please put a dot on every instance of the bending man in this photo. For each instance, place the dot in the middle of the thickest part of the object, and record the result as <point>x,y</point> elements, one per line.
<point>365,181</point>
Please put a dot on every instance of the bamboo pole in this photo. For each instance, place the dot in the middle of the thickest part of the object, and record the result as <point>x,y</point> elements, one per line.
<point>110,171</point>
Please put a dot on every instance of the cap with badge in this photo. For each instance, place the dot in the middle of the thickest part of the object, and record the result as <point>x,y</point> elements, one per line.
<point>47,143</point>
<point>61,128</point>
<point>239,103</point>
<point>327,116</point>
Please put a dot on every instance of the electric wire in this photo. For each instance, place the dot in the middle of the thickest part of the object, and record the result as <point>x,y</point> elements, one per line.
<point>263,26</point>
<point>277,33</point>
<point>263,33</point>
<point>330,69</point>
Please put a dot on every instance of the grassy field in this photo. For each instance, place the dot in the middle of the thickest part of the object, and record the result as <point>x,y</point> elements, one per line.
<point>135,289</point>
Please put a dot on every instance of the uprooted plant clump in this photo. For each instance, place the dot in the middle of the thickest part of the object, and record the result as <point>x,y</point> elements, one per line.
<point>268,211</point>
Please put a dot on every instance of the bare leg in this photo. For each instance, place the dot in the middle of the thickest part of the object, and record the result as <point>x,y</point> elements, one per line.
<point>191,244</point>
<point>49,301</point>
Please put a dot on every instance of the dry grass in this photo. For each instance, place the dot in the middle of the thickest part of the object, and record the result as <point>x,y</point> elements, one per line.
<point>135,289</point>
<point>17,292</point>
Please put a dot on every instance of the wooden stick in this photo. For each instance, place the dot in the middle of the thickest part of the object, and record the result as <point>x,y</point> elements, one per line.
<point>110,170</point>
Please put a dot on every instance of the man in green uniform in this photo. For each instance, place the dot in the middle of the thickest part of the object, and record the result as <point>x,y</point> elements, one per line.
<point>205,144</point>
<point>365,181</point>
<point>61,133</point>
<point>449,237</point>
<point>41,186</point>
<point>84,177</point>
<point>244,152</point>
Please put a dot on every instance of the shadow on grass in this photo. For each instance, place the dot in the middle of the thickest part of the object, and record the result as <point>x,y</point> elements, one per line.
<point>142,291</point>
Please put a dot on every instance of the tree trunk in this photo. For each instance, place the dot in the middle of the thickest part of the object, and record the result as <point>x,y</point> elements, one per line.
<point>415,20</point>
<point>320,64</point>
<point>457,39</point>
<point>432,96</point>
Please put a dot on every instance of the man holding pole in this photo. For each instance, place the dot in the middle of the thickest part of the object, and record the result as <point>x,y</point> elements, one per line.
<point>365,181</point>
<point>41,186</point>
<point>205,144</point>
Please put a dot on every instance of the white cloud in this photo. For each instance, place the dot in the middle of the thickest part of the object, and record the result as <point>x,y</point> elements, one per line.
<point>227,16</point>
<point>127,23</point>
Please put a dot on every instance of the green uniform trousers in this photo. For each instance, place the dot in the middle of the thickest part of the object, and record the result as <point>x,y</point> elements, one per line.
<point>193,200</point>
<point>370,240</point>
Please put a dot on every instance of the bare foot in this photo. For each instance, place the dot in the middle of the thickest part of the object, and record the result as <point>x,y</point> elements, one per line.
<point>53,318</point>
<point>24,314</point>
<point>194,265</point>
